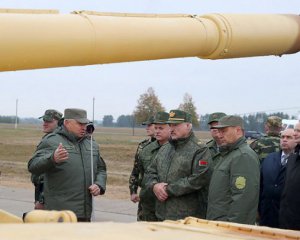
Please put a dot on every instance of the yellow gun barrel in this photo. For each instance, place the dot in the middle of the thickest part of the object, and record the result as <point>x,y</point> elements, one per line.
<point>31,40</point>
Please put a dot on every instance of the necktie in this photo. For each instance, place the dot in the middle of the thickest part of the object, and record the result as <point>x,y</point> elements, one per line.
<point>284,159</point>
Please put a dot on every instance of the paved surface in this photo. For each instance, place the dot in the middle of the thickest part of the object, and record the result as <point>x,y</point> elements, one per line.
<point>18,200</point>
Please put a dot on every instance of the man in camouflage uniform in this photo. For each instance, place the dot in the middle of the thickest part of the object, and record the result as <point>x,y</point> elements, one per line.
<point>214,144</point>
<point>136,176</point>
<point>146,208</point>
<point>51,119</point>
<point>234,186</point>
<point>180,174</point>
<point>270,143</point>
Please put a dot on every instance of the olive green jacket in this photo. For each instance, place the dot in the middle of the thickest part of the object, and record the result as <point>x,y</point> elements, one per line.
<point>234,186</point>
<point>66,184</point>
<point>184,166</point>
<point>214,151</point>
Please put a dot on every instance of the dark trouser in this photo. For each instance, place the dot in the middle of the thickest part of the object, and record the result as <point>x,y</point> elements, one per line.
<point>83,219</point>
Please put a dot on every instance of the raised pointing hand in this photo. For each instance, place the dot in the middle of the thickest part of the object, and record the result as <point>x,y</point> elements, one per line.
<point>60,154</point>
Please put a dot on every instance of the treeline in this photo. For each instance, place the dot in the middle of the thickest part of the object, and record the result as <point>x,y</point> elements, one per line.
<point>148,104</point>
<point>8,119</point>
<point>253,122</point>
<point>12,119</point>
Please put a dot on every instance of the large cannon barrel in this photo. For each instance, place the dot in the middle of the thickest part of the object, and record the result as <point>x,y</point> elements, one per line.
<point>44,39</point>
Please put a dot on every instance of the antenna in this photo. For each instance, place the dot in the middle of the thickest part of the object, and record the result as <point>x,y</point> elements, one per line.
<point>92,165</point>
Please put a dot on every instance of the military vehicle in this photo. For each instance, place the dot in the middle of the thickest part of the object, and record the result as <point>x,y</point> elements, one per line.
<point>32,39</point>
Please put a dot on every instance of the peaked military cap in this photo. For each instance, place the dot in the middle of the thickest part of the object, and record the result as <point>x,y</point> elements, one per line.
<point>214,117</point>
<point>274,121</point>
<point>230,121</point>
<point>51,114</point>
<point>161,118</point>
<point>178,116</point>
<point>77,114</point>
<point>149,121</point>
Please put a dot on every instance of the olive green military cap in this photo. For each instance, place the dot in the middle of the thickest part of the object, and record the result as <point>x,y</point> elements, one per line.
<point>77,114</point>
<point>178,116</point>
<point>51,114</point>
<point>161,118</point>
<point>214,117</point>
<point>274,121</point>
<point>149,121</point>
<point>230,121</point>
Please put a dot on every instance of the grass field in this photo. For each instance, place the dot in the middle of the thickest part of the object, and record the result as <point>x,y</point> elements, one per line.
<point>117,145</point>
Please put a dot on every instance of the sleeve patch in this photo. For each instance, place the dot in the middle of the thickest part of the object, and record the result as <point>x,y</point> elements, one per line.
<point>240,182</point>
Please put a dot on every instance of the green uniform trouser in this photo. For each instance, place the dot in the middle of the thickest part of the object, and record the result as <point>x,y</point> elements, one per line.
<point>146,207</point>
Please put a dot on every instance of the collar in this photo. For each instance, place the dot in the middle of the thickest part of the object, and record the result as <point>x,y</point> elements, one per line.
<point>229,147</point>
<point>181,141</point>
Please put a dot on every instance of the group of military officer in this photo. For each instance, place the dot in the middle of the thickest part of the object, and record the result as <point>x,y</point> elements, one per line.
<point>182,177</point>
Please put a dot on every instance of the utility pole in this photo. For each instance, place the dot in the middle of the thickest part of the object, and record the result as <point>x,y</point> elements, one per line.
<point>16,120</point>
<point>93,109</point>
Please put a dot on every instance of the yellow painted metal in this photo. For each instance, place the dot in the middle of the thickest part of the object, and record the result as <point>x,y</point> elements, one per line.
<point>44,216</point>
<point>6,217</point>
<point>189,228</point>
<point>30,40</point>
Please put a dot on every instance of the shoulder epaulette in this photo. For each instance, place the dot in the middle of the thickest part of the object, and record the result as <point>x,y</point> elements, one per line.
<point>144,143</point>
<point>201,144</point>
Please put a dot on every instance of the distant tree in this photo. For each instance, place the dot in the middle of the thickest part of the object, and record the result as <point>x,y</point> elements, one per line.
<point>124,121</point>
<point>8,119</point>
<point>148,105</point>
<point>189,106</point>
<point>108,121</point>
<point>204,122</point>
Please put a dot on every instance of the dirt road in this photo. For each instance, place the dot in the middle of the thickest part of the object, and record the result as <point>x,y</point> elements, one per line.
<point>18,200</point>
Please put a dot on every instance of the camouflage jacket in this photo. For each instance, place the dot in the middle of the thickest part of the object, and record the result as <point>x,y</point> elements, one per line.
<point>266,145</point>
<point>184,166</point>
<point>234,186</point>
<point>137,172</point>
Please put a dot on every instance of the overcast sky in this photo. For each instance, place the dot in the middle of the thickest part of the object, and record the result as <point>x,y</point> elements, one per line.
<point>233,86</point>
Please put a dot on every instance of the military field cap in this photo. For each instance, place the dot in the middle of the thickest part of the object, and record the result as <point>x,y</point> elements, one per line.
<point>149,121</point>
<point>214,117</point>
<point>274,121</point>
<point>77,114</point>
<point>161,118</point>
<point>230,121</point>
<point>178,116</point>
<point>51,114</point>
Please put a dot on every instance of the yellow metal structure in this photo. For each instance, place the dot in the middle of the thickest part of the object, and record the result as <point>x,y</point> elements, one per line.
<point>189,228</point>
<point>45,38</point>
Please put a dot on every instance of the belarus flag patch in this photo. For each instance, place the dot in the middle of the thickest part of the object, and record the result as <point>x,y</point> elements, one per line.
<point>203,162</point>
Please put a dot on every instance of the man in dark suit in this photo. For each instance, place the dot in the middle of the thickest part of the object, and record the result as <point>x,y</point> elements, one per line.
<point>272,180</point>
<point>289,215</point>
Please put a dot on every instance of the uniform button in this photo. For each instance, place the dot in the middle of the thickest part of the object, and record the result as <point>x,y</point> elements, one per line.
<point>276,185</point>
